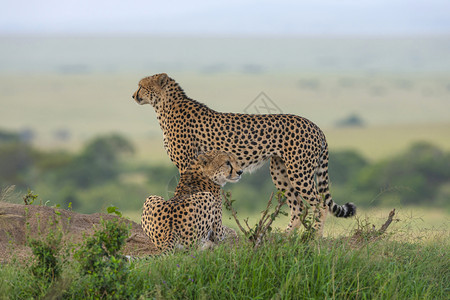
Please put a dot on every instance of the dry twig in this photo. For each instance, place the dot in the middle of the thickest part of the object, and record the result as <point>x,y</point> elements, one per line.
<point>368,232</point>
<point>257,234</point>
<point>387,223</point>
<point>228,201</point>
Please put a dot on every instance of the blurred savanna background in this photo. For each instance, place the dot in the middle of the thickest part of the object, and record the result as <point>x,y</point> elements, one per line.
<point>374,75</point>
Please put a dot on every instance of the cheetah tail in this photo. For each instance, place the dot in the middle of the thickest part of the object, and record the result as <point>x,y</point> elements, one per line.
<point>340,211</point>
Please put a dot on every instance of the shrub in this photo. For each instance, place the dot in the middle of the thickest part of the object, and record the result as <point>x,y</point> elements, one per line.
<point>414,176</point>
<point>104,270</point>
<point>47,265</point>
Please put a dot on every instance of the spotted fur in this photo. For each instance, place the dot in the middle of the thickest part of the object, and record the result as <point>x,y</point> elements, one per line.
<point>194,214</point>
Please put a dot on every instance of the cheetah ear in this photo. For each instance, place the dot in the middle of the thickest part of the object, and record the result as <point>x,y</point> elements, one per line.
<point>214,153</point>
<point>161,79</point>
<point>198,154</point>
<point>203,159</point>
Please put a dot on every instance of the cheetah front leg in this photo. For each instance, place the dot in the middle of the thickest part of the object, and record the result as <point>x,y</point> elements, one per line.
<point>218,232</point>
<point>201,210</point>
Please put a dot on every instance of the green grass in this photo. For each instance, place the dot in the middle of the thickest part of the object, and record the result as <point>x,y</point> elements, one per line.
<point>292,270</point>
<point>283,268</point>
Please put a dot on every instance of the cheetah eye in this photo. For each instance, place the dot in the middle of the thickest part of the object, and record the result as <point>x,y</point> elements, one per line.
<point>228,163</point>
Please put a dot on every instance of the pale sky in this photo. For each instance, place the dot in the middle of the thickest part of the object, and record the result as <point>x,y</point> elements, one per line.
<point>232,17</point>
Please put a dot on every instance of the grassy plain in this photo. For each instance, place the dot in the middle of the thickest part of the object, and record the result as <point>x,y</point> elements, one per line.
<point>396,108</point>
<point>379,142</point>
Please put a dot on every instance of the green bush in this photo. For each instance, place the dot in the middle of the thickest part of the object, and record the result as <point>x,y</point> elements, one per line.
<point>98,163</point>
<point>414,176</point>
<point>16,162</point>
<point>99,176</point>
<point>47,266</point>
<point>104,271</point>
<point>344,166</point>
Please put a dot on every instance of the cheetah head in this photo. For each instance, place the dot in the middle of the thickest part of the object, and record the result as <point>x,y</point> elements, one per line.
<point>150,89</point>
<point>220,167</point>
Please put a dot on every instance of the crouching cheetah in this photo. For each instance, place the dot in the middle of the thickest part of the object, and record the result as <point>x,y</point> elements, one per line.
<point>194,214</point>
<point>296,147</point>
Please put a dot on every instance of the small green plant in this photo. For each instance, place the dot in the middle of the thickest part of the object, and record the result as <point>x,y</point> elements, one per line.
<point>29,198</point>
<point>114,210</point>
<point>101,263</point>
<point>47,265</point>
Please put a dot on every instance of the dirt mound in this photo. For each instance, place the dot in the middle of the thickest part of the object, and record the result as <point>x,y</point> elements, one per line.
<point>17,222</point>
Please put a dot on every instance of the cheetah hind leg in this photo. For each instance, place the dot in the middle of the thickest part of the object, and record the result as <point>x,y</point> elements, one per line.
<point>303,199</point>
<point>278,171</point>
<point>159,232</point>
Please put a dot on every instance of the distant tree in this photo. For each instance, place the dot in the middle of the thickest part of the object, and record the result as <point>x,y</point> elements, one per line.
<point>415,176</point>
<point>16,160</point>
<point>62,134</point>
<point>344,166</point>
<point>309,84</point>
<point>27,135</point>
<point>7,137</point>
<point>98,162</point>
<point>352,120</point>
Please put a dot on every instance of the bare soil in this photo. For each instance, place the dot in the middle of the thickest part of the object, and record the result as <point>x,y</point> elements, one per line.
<point>21,222</point>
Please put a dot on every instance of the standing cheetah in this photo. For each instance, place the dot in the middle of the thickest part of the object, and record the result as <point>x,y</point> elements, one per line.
<point>194,214</point>
<point>296,147</point>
